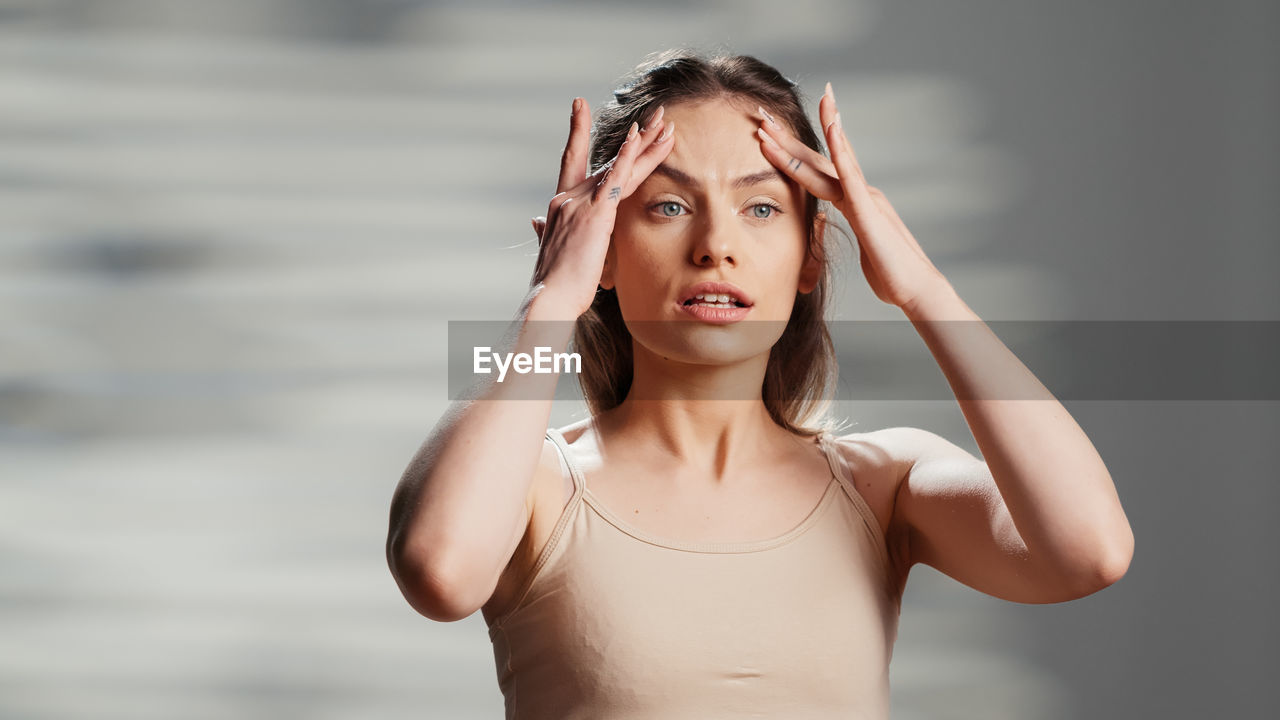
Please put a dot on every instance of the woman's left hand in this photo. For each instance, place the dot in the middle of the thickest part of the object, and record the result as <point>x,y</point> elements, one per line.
<point>895,267</point>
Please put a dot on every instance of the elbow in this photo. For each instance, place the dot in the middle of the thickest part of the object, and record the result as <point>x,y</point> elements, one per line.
<point>1110,564</point>
<point>431,588</point>
<point>1116,561</point>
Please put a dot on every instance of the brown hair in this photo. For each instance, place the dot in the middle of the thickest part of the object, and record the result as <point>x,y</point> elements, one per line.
<point>801,371</point>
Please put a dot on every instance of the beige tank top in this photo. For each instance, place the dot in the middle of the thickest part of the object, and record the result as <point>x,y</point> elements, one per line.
<point>614,623</point>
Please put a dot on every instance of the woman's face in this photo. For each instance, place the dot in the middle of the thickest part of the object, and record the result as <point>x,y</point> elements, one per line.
<point>716,210</point>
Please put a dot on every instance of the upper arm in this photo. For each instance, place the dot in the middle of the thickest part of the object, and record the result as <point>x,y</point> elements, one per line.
<point>546,481</point>
<point>954,519</point>
<point>456,596</point>
<point>530,530</point>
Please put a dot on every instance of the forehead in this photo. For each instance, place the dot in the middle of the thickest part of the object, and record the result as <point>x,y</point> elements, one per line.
<point>715,140</point>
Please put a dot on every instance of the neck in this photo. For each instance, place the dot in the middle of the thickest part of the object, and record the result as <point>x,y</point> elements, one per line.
<point>710,418</point>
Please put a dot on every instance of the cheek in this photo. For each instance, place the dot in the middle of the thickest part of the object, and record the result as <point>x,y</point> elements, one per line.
<point>626,231</point>
<point>638,249</point>
<point>630,215</point>
<point>638,268</point>
<point>639,271</point>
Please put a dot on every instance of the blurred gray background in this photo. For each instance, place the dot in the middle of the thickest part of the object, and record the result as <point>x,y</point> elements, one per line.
<point>232,233</point>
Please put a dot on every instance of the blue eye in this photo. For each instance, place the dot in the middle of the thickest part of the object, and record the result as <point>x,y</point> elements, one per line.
<point>772,210</point>
<point>669,205</point>
<point>670,208</point>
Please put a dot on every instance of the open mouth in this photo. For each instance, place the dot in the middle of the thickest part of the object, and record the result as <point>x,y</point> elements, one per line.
<point>715,301</point>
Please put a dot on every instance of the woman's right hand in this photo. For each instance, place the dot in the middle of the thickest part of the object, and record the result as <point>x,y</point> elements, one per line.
<point>574,236</point>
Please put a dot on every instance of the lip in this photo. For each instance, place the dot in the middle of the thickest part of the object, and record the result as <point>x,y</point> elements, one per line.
<point>719,288</point>
<point>714,316</point>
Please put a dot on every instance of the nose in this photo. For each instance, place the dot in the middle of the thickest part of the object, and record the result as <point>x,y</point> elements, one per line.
<point>716,239</point>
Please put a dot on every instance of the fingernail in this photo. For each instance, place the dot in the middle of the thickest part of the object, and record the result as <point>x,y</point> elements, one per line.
<point>765,136</point>
<point>831,92</point>
<point>769,118</point>
<point>657,116</point>
<point>631,132</point>
<point>666,133</point>
<point>577,105</point>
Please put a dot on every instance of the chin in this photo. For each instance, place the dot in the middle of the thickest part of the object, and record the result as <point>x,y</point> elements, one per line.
<point>702,344</point>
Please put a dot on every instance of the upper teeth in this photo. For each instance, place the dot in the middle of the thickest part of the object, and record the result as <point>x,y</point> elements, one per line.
<point>716,298</point>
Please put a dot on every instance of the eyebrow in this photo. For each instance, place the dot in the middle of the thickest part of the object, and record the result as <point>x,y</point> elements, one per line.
<point>683,178</point>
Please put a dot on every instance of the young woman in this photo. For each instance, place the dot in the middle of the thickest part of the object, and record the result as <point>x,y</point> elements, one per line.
<point>702,545</point>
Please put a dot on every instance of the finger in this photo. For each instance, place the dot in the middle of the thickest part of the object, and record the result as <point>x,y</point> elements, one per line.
<point>588,188</point>
<point>798,161</point>
<point>650,157</point>
<point>558,202</point>
<point>573,163</point>
<point>850,173</point>
<point>655,132</point>
<point>539,225</point>
<point>608,179</point>
<point>841,150</point>
<point>641,145</point>
<point>827,113</point>
<point>655,120</point>
<point>610,186</point>
<point>585,188</point>
<point>820,183</point>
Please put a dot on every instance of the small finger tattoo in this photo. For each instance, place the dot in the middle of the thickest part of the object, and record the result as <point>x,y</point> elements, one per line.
<point>614,192</point>
<point>794,164</point>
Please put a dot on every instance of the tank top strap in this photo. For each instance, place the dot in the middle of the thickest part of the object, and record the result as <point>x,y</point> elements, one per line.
<point>845,475</point>
<point>567,514</point>
<point>579,484</point>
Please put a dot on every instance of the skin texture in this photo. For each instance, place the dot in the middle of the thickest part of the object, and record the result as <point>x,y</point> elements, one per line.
<point>688,222</point>
<point>1036,520</point>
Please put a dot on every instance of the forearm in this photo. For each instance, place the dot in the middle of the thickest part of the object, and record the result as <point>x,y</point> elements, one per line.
<point>458,501</point>
<point>1056,487</point>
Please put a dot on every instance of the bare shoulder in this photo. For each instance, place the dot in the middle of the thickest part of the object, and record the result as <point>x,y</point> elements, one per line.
<point>911,444</point>
<point>879,462</point>
<point>576,430</point>
<point>899,451</point>
<point>893,451</point>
